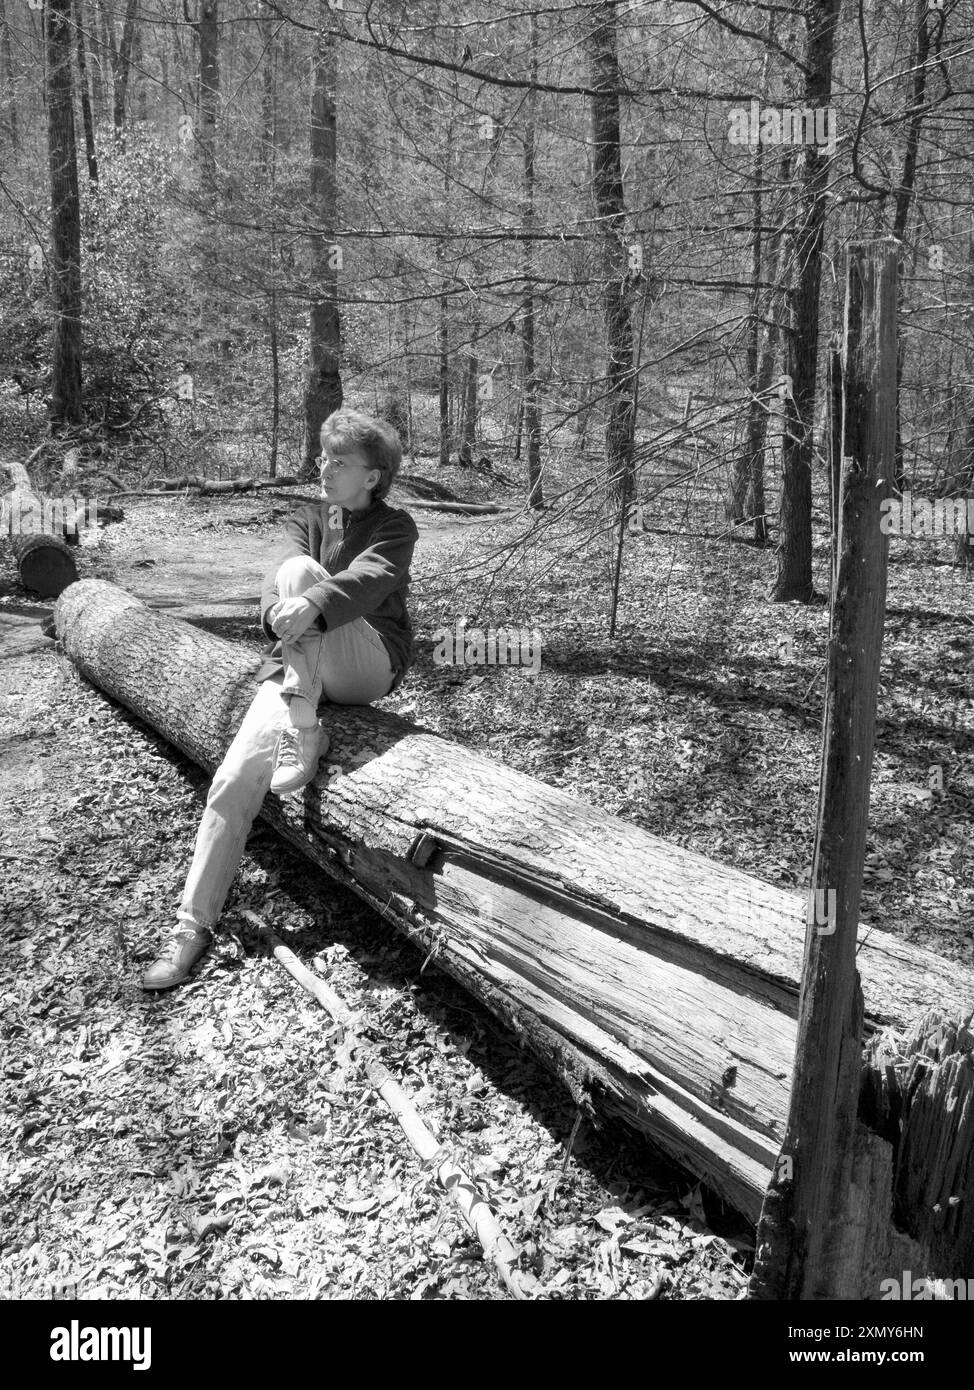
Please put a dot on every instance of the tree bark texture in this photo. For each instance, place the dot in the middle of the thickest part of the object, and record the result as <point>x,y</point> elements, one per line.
<point>929,22</point>
<point>7,67</point>
<point>208,29</point>
<point>324,389</point>
<point>86,116</point>
<point>65,404</point>
<point>610,211</point>
<point>121,66</point>
<point>794,576</point>
<point>530,385</point>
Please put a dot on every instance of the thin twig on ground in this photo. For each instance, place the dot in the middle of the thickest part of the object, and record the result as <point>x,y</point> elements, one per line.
<point>458,1185</point>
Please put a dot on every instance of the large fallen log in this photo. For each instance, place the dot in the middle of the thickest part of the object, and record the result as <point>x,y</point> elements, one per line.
<point>215,487</point>
<point>648,974</point>
<point>44,563</point>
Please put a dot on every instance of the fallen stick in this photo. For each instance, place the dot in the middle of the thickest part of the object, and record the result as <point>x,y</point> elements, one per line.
<point>150,492</point>
<point>461,1188</point>
<point>464,508</point>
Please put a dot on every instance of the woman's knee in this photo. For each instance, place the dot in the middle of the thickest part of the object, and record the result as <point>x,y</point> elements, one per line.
<point>298,572</point>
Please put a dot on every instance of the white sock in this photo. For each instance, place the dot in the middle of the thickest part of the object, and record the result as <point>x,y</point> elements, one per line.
<point>302,712</point>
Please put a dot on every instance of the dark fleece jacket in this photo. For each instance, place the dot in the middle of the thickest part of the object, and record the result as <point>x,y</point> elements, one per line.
<point>367,557</point>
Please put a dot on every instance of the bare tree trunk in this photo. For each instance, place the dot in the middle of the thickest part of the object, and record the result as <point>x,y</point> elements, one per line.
<point>323,393</point>
<point>743,467</point>
<point>443,327</point>
<point>399,413</point>
<point>834,397</point>
<point>85,99</point>
<point>530,397</point>
<point>759,416</point>
<point>961,483</point>
<point>93,46</point>
<point>519,423</point>
<point>6,59</point>
<point>925,20</point>
<point>109,50</point>
<point>531,409</point>
<point>610,209</point>
<point>746,498</point>
<point>468,420</point>
<point>137,65</point>
<point>121,63</point>
<point>443,344</point>
<point>208,29</point>
<point>583,416</point>
<point>801,1232</point>
<point>269,169</point>
<point>65,407</point>
<point>794,577</point>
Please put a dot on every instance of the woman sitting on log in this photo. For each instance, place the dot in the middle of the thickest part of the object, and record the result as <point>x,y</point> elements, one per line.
<point>337,604</point>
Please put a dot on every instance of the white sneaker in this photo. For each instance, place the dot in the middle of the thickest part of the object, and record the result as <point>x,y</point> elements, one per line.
<point>298,751</point>
<point>180,952</point>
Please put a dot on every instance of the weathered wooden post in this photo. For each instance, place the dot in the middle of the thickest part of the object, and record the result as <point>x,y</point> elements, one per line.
<point>803,1235</point>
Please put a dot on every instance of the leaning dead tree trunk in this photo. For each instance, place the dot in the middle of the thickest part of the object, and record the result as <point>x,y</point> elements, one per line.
<point>641,973</point>
<point>44,563</point>
<point>807,1237</point>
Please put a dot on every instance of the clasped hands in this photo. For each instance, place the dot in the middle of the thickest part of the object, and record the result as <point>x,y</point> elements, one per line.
<point>291,617</point>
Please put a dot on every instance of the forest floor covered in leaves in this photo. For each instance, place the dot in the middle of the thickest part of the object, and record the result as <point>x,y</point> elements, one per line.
<point>218,1141</point>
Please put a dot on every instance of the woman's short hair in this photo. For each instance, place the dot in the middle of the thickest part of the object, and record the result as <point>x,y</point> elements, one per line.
<point>376,439</point>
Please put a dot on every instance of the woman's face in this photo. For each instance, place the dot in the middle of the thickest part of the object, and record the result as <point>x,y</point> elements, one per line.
<point>347,478</point>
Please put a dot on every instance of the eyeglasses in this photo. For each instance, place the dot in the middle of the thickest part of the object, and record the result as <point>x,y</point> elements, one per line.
<point>340,463</point>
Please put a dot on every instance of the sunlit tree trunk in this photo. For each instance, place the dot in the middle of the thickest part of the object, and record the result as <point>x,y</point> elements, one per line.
<point>531,417</point>
<point>269,170</point>
<point>209,34</point>
<point>122,61</point>
<point>610,211</point>
<point>323,392</point>
<point>794,576</point>
<point>65,406</point>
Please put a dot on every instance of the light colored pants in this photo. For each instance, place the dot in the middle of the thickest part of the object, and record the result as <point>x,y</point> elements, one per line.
<point>349,666</point>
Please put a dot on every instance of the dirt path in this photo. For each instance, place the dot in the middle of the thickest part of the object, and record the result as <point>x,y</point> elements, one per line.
<point>207,559</point>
